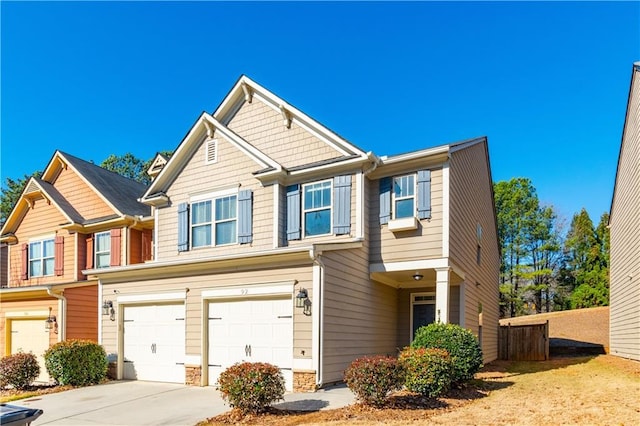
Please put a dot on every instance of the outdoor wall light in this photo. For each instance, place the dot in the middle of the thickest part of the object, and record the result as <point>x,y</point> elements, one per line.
<point>107,309</point>
<point>51,323</point>
<point>301,298</point>
<point>418,276</point>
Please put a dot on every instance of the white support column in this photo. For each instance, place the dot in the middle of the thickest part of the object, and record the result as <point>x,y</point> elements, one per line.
<point>442,295</point>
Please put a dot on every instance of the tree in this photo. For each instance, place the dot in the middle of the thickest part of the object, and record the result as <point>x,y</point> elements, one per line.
<point>587,251</point>
<point>129,166</point>
<point>10,193</point>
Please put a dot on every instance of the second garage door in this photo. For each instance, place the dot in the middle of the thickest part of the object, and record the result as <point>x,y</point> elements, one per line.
<point>256,330</point>
<point>154,337</point>
<point>29,335</point>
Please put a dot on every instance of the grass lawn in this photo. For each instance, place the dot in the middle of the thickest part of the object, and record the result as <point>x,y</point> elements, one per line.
<point>574,390</point>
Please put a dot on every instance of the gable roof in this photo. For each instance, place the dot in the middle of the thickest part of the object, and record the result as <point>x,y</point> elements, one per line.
<point>635,80</point>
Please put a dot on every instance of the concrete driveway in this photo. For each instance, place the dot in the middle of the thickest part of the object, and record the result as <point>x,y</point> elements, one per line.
<point>145,403</point>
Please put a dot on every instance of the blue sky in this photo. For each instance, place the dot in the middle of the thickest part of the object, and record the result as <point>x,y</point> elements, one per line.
<point>547,82</point>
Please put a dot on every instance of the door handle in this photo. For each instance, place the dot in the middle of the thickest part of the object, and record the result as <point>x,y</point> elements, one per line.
<point>246,350</point>
<point>249,350</point>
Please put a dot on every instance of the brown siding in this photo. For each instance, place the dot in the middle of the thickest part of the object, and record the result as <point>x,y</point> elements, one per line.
<point>422,243</point>
<point>135,246</point>
<point>471,203</point>
<point>263,128</point>
<point>4,265</point>
<point>360,315</point>
<point>83,199</point>
<point>625,236</point>
<point>82,312</point>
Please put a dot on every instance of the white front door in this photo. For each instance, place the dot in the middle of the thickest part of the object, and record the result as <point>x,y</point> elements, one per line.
<point>154,342</point>
<point>29,335</point>
<point>257,330</point>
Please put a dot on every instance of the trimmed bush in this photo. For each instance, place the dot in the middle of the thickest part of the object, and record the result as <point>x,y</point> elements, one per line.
<point>461,344</point>
<point>372,378</point>
<point>18,370</point>
<point>251,386</point>
<point>427,371</point>
<point>76,362</point>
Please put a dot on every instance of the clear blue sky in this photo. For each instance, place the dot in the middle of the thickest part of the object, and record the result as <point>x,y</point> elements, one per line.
<point>547,82</point>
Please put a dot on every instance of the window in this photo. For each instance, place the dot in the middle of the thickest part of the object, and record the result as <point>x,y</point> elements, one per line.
<point>404,190</point>
<point>317,208</point>
<point>214,220</point>
<point>41,258</point>
<point>102,249</point>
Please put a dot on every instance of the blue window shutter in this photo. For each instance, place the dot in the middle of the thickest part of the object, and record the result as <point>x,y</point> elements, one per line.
<point>245,216</point>
<point>293,212</point>
<point>424,194</point>
<point>342,205</point>
<point>183,227</point>
<point>385,200</point>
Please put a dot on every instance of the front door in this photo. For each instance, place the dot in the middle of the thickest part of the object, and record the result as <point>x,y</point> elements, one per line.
<point>423,307</point>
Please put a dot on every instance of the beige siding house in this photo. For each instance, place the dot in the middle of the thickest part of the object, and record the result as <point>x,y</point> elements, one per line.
<point>276,240</point>
<point>624,225</point>
<point>75,216</point>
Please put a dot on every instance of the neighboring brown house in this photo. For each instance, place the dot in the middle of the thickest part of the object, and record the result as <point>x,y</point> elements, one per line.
<point>624,225</point>
<point>279,241</point>
<point>76,216</point>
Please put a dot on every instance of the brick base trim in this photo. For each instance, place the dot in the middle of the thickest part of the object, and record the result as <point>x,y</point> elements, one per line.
<point>192,375</point>
<point>304,381</point>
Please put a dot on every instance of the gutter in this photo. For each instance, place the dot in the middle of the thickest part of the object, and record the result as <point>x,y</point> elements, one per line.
<point>62,313</point>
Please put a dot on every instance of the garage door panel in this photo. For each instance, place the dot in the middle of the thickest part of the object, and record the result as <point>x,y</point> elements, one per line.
<point>31,336</point>
<point>251,330</point>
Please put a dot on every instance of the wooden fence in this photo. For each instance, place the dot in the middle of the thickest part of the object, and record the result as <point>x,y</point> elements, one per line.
<point>524,342</point>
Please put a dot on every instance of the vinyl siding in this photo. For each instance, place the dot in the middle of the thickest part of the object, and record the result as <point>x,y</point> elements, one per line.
<point>195,286</point>
<point>471,203</point>
<point>135,246</point>
<point>4,265</point>
<point>82,197</point>
<point>233,168</point>
<point>24,306</point>
<point>625,237</point>
<point>422,243</point>
<point>263,128</point>
<point>360,315</point>
<point>82,312</point>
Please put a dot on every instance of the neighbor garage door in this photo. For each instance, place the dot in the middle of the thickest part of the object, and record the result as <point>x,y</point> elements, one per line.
<point>257,330</point>
<point>31,336</point>
<point>154,337</point>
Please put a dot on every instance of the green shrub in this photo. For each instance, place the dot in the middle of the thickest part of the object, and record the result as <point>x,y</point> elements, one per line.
<point>427,371</point>
<point>372,378</point>
<point>461,344</point>
<point>76,362</point>
<point>251,386</point>
<point>18,370</point>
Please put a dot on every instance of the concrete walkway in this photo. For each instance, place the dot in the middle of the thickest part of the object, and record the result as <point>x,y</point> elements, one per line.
<point>136,403</point>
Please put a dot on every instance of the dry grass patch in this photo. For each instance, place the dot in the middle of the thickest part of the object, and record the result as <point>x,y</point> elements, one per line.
<point>580,390</point>
<point>8,395</point>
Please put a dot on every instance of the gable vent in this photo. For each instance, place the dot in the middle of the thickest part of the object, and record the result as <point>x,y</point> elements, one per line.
<point>211,151</point>
<point>32,188</point>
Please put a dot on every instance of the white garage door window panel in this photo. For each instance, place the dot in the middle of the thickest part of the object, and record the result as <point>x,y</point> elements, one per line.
<point>154,342</point>
<point>31,336</point>
<point>254,330</point>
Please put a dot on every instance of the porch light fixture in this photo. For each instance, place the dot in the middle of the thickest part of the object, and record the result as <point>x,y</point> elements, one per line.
<point>51,323</point>
<point>418,276</point>
<point>107,309</point>
<point>302,301</point>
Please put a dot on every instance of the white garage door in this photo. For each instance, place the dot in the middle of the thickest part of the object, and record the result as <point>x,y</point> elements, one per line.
<point>154,337</point>
<point>31,336</point>
<point>251,330</point>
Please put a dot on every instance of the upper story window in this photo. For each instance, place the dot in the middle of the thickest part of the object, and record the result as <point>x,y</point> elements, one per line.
<point>102,251</point>
<point>404,196</point>
<point>214,220</point>
<point>41,258</point>
<point>317,208</point>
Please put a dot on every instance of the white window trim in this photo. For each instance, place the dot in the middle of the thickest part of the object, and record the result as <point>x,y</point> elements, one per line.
<point>414,196</point>
<point>211,198</point>
<point>414,302</point>
<point>42,258</point>
<point>303,210</point>
<point>95,249</point>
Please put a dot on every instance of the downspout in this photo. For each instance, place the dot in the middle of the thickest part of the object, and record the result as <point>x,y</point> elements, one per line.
<point>315,257</point>
<point>62,334</point>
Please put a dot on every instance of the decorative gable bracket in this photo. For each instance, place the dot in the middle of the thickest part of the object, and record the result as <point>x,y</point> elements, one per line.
<point>210,128</point>
<point>286,116</point>
<point>248,92</point>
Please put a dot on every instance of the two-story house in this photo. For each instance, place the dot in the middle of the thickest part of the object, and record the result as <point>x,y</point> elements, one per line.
<point>76,216</point>
<point>277,240</point>
<point>624,226</point>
